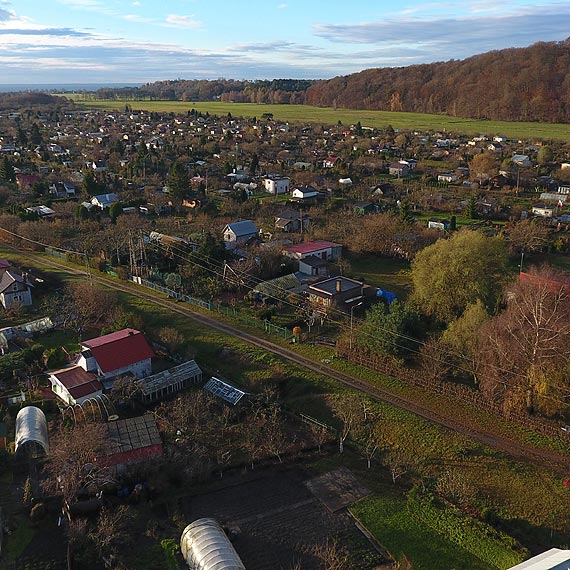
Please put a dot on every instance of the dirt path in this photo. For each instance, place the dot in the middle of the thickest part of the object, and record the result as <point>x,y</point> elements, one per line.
<point>542,457</point>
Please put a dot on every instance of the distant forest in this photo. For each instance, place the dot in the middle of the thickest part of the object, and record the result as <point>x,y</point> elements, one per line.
<point>516,84</point>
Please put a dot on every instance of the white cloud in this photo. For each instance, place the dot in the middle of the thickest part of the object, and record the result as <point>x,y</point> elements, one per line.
<point>135,4</point>
<point>183,21</point>
<point>282,6</point>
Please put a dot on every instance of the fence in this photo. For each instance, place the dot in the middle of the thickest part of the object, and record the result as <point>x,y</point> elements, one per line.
<point>458,392</point>
<point>231,312</point>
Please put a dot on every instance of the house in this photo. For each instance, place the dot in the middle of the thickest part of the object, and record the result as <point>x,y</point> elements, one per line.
<point>304,193</point>
<point>115,354</point>
<point>495,147</point>
<point>543,211</point>
<point>99,166</point>
<point>363,208</point>
<point>336,291</point>
<point>74,385</point>
<point>553,559</point>
<point>238,233</point>
<point>104,201</point>
<point>314,266</point>
<point>330,162</point>
<point>554,197</point>
<point>521,160</point>
<point>345,182</point>
<point>276,186</point>
<point>398,169</point>
<point>15,289</point>
<point>411,163</point>
<point>439,224</point>
<point>290,221</point>
<point>41,211</point>
<point>447,177</point>
<point>322,249</point>
<point>564,189</point>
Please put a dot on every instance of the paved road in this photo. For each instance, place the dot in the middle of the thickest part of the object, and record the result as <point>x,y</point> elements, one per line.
<point>542,457</point>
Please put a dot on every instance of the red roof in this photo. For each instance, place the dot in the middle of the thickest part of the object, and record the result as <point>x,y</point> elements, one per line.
<point>119,349</point>
<point>78,382</point>
<point>310,246</point>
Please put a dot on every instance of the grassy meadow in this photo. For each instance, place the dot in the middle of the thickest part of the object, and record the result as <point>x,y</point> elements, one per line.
<point>331,116</point>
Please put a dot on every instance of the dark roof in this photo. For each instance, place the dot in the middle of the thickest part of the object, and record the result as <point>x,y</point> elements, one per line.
<point>10,277</point>
<point>243,228</point>
<point>313,261</point>
<point>78,382</point>
<point>119,349</point>
<point>329,286</point>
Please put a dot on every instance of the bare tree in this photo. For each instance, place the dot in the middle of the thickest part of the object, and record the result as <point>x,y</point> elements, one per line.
<point>369,434</point>
<point>398,461</point>
<point>73,465</point>
<point>332,555</point>
<point>348,409</point>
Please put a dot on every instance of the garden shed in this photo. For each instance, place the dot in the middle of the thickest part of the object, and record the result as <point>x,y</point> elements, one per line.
<point>205,546</point>
<point>31,432</point>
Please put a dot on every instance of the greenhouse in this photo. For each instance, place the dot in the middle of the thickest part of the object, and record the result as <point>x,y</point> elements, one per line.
<point>205,546</point>
<point>31,432</point>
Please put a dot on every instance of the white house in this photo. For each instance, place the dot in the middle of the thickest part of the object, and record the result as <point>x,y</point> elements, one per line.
<point>104,200</point>
<point>543,211</point>
<point>74,385</point>
<point>277,185</point>
<point>304,193</point>
<point>238,233</point>
<point>447,177</point>
<point>322,249</point>
<point>14,288</point>
<point>122,352</point>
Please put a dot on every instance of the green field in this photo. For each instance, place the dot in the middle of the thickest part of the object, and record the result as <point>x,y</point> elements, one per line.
<point>330,116</point>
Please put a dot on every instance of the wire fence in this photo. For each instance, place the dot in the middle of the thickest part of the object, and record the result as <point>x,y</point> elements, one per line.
<point>231,312</point>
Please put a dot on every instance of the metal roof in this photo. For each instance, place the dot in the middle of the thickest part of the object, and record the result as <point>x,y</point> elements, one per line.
<point>205,546</point>
<point>242,228</point>
<point>31,427</point>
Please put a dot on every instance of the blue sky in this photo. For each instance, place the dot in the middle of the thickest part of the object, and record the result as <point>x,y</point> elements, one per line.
<point>139,41</point>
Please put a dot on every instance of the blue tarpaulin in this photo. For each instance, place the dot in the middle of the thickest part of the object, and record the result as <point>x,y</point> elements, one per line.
<point>387,296</point>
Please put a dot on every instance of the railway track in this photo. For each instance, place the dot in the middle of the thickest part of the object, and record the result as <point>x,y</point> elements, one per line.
<point>542,457</point>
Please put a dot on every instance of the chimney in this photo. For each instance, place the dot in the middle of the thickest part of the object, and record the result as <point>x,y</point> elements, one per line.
<point>338,285</point>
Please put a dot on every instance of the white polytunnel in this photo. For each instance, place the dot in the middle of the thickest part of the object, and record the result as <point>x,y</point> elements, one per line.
<point>205,546</point>
<point>31,432</point>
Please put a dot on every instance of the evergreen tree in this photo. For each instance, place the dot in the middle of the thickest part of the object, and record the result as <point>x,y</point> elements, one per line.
<point>7,172</point>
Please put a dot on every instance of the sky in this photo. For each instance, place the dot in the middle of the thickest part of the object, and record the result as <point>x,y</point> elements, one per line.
<point>140,41</point>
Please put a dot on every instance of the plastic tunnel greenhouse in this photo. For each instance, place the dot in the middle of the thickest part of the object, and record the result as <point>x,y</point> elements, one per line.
<point>205,546</point>
<point>31,432</point>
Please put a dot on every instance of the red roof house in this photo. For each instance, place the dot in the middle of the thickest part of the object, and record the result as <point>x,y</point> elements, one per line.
<point>322,249</point>
<point>122,352</point>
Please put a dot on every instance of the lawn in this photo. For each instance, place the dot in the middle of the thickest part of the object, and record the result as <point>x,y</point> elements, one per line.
<point>396,526</point>
<point>384,272</point>
<point>330,116</point>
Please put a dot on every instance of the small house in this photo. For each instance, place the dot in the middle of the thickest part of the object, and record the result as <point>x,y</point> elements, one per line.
<point>74,385</point>
<point>447,177</point>
<point>363,208</point>
<point>304,193</point>
<point>239,233</point>
<point>15,289</point>
<point>399,170</point>
<point>336,291</point>
<point>326,250</point>
<point>543,211</point>
<point>439,224</point>
<point>313,266</point>
<point>104,201</point>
